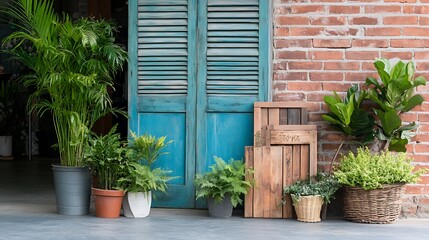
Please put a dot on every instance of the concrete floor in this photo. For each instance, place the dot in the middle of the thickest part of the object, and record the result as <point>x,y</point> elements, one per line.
<point>27,211</point>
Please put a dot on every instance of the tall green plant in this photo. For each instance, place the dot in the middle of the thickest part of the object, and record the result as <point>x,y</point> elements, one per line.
<point>72,63</point>
<point>347,116</point>
<point>394,95</point>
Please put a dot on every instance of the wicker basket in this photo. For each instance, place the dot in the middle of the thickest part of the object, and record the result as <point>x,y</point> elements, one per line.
<point>373,206</point>
<point>308,208</point>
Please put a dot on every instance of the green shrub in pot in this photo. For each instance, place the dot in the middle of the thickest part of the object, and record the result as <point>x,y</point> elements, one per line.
<point>322,184</point>
<point>309,195</point>
<point>374,184</point>
<point>141,178</point>
<point>224,184</point>
<point>372,170</point>
<point>106,156</point>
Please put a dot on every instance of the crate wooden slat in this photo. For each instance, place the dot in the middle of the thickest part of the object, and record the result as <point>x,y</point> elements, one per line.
<point>290,155</point>
<point>275,167</point>
<point>278,113</point>
<point>302,137</point>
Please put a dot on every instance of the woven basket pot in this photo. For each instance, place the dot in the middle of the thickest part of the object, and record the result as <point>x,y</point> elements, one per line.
<point>308,208</point>
<point>381,205</point>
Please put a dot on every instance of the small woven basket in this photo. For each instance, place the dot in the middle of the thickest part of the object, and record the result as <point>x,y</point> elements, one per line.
<point>308,208</point>
<point>381,205</point>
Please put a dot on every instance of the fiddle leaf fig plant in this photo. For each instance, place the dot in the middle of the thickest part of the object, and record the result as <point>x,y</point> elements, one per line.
<point>394,95</point>
<point>347,116</point>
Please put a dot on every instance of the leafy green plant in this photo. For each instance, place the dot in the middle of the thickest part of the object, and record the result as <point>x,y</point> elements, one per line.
<point>394,95</point>
<point>347,115</point>
<point>140,178</point>
<point>106,157</point>
<point>371,170</point>
<point>71,62</point>
<point>224,179</point>
<point>322,184</point>
<point>147,148</point>
<point>142,152</point>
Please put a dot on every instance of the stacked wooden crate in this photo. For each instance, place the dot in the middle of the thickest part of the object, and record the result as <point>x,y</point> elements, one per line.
<point>284,151</point>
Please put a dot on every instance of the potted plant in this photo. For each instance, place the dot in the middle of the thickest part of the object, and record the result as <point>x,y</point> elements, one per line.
<point>374,184</point>
<point>223,186</point>
<point>9,92</point>
<point>348,116</point>
<point>388,98</point>
<point>394,95</point>
<point>309,195</point>
<point>141,178</point>
<point>71,66</point>
<point>106,157</point>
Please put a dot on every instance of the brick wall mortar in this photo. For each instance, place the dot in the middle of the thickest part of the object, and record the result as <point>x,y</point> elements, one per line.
<point>326,46</point>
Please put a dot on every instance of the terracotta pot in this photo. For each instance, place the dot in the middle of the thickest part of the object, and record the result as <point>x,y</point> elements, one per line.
<point>108,202</point>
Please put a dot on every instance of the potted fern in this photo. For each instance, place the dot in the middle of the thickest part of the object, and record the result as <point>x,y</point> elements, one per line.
<point>106,157</point>
<point>72,63</point>
<point>309,195</point>
<point>223,186</point>
<point>141,178</point>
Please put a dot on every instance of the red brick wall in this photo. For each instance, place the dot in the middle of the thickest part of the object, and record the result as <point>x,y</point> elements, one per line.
<point>326,45</point>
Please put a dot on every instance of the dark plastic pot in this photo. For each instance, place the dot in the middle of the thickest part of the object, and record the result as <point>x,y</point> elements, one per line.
<point>72,189</point>
<point>220,210</point>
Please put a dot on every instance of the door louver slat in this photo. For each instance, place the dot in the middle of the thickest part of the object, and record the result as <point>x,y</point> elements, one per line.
<point>162,47</point>
<point>232,47</point>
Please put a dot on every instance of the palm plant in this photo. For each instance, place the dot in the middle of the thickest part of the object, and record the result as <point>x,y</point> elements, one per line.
<point>72,63</point>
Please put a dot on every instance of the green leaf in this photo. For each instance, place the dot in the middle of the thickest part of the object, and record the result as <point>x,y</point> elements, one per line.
<point>331,119</point>
<point>410,68</point>
<point>408,127</point>
<point>419,81</point>
<point>383,67</point>
<point>389,120</point>
<point>372,81</point>
<point>399,71</point>
<point>413,102</point>
<point>398,145</point>
<point>331,100</point>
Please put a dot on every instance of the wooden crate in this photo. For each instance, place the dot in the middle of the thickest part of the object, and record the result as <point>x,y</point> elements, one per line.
<point>278,113</point>
<point>276,167</point>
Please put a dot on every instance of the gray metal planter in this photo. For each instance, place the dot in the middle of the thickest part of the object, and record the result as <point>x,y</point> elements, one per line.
<point>220,210</point>
<point>72,189</point>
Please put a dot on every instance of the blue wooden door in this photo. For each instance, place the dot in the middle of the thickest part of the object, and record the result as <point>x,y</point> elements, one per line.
<point>196,67</point>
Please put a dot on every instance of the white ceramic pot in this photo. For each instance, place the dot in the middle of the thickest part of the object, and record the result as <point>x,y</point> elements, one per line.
<point>137,204</point>
<point>6,146</point>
